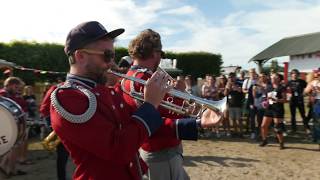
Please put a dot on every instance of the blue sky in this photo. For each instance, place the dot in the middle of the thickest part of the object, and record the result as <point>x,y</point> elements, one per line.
<point>236,29</point>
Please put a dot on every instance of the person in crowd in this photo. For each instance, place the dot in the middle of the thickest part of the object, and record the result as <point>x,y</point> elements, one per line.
<point>44,112</point>
<point>310,77</point>
<point>8,164</point>
<point>8,73</point>
<point>234,93</point>
<point>259,92</point>
<point>30,98</point>
<point>191,87</point>
<point>209,91</point>
<point>27,106</point>
<point>221,85</point>
<point>180,83</point>
<point>247,90</point>
<point>313,90</point>
<point>163,150</point>
<point>274,111</point>
<point>100,134</point>
<point>240,80</point>
<point>296,87</point>
<point>124,64</point>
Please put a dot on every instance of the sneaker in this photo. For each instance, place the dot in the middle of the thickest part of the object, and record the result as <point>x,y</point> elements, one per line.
<point>252,136</point>
<point>263,143</point>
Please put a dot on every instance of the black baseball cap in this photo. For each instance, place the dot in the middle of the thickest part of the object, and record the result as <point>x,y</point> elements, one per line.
<point>86,33</point>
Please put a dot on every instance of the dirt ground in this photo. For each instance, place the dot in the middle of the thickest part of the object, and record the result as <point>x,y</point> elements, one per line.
<point>216,158</point>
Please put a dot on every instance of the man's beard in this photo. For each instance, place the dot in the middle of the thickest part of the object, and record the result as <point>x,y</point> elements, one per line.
<point>97,74</point>
<point>102,79</point>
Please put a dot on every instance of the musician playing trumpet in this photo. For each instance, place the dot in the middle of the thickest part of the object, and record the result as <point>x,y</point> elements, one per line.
<point>163,150</point>
<point>93,121</point>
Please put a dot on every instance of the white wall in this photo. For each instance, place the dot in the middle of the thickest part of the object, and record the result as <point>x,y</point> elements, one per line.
<point>305,63</point>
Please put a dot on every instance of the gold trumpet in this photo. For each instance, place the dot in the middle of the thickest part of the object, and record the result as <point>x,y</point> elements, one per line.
<point>51,142</point>
<point>192,106</point>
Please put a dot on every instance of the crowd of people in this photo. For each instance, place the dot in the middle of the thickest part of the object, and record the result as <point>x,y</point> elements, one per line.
<point>137,136</point>
<point>256,103</point>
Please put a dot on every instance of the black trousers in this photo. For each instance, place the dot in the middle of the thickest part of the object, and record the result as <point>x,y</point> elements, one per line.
<point>62,159</point>
<point>297,103</point>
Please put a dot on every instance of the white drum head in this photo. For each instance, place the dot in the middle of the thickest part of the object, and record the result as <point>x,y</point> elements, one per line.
<point>8,130</point>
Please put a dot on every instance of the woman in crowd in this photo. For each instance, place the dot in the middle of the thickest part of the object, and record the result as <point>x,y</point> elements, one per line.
<point>310,77</point>
<point>276,97</point>
<point>313,89</point>
<point>191,87</point>
<point>222,82</point>
<point>210,91</point>
<point>259,93</point>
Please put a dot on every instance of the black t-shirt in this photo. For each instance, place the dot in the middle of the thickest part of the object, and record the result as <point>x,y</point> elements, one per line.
<point>235,98</point>
<point>240,82</point>
<point>297,87</point>
<point>278,94</point>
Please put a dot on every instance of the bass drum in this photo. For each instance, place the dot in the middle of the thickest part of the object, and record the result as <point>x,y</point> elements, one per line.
<point>12,124</point>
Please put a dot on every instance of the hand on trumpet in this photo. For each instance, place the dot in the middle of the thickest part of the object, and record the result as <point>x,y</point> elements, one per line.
<point>156,87</point>
<point>210,118</point>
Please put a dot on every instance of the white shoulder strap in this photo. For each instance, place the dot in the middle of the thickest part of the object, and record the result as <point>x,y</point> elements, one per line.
<point>81,118</point>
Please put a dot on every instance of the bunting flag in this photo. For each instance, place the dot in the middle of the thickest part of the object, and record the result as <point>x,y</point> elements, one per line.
<point>37,70</point>
<point>11,65</point>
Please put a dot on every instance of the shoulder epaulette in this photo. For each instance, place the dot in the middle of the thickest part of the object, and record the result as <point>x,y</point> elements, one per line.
<point>81,118</point>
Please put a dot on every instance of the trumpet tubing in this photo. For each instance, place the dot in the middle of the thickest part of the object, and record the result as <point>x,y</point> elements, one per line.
<point>217,106</point>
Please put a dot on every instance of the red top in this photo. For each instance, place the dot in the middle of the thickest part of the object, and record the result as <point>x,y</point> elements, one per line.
<point>16,98</point>
<point>106,146</point>
<point>45,104</point>
<point>165,137</point>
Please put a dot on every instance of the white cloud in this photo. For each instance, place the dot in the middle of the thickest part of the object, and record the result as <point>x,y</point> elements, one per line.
<point>185,10</point>
<point>44,20</point>
<point>241,35</point>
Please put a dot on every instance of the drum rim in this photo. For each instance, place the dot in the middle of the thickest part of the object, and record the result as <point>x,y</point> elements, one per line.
<point>13,102</point>
<point>9,115</point>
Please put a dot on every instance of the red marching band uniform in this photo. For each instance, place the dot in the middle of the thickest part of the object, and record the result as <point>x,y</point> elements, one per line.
<point>16,98</point>
<point>175,126</point>
<point>104,144</point>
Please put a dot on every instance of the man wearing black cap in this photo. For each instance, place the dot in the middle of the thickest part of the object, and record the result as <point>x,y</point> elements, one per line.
<point>296,87</point>
<point>92,120</point>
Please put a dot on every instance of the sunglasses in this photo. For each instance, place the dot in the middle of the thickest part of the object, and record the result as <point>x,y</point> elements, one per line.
<point>107,54</point>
